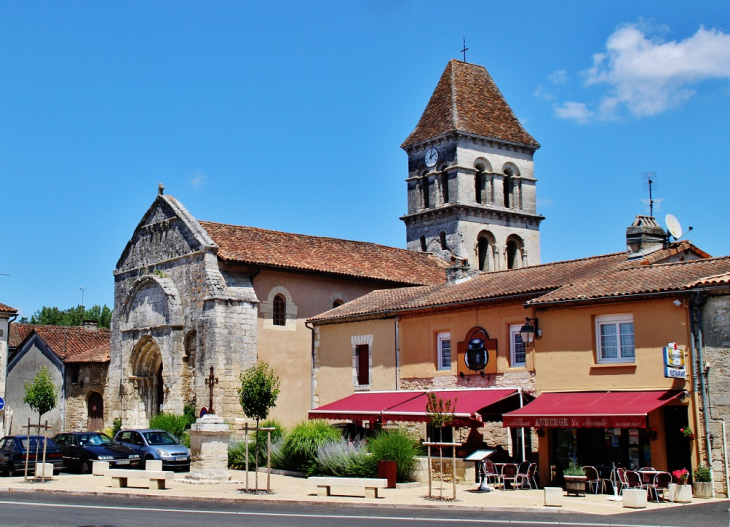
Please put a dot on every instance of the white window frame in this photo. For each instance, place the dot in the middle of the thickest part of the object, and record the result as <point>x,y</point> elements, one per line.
<point>514,331</point>
<point>441,337</point>
<point>616,321</point>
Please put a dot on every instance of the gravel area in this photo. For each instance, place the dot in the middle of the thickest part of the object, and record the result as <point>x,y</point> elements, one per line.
<point>294,489</point>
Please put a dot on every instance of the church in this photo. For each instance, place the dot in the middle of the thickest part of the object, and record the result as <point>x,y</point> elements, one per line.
<point>197,302</point>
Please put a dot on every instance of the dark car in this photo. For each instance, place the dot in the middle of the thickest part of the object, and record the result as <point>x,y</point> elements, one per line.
<point>12,454</point>
<point>156,444</point>
<point>81,449</point>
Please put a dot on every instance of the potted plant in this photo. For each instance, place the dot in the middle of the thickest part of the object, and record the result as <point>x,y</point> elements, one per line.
<point>680,491</point>
<point>575,479</point>
<point>688,432</point>
<point>702,482</point>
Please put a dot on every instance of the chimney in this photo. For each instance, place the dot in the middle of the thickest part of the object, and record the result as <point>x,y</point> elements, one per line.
<point>644,236</point>
<point>90,325</point>
<point>459,271</point>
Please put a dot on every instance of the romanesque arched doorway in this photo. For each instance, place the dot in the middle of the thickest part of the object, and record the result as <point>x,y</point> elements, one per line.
<point>148,381</point>
<point>95,413</point>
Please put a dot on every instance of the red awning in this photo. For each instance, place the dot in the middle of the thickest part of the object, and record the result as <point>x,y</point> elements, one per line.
<point>362,406</point>
<point>589,410</point>
<point>468,404</point>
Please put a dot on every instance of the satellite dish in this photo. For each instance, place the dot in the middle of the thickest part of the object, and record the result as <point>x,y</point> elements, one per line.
<point>673,226</point>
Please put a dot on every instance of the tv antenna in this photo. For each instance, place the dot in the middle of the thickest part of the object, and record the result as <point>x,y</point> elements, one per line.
<point>674,228</point>
<point>82,289</point>
<point>650,184</point>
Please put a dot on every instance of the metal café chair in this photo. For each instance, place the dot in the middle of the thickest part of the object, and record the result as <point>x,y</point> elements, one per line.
<point>528,476</point>
<point>594,479</point>
<point>660,484</point>
<point>490,472</point>
<point>621,481</point>
<point>509,473</point>
<point>633,479</point>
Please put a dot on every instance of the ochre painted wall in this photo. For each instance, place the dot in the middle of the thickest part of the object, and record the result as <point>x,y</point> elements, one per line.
<point>334,367</point>
<point>288,349</point>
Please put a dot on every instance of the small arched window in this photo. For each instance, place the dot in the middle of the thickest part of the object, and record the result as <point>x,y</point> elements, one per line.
<point>442,239</point>
<point>485,251</point>
<point>445,185</point>
<point>515,252</point>
<point>423,244</point>
<point>479,186</point>
<point>507,188</point>
<point>279,316</point>
<point>425,191</point>
<point>337,303</point>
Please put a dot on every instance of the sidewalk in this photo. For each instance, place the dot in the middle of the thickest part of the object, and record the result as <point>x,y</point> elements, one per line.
<point>296,490</point>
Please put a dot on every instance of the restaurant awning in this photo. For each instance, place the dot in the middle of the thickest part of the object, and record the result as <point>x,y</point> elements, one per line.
<point>466,410</point>
<point>362,406</point>
<point>410,406</point>
<point>589,410</point>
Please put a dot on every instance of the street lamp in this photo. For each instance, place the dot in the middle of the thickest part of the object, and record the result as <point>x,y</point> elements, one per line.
<point>529,331</point>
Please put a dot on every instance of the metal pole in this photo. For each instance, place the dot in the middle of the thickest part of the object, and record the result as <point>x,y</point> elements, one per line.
<point>724,456</point>
<point>453,472</point>
<point>268,461</point>
<point>45,442</point>
<point>27,452</point>
<point>429,469</point>
<point>246,440</point>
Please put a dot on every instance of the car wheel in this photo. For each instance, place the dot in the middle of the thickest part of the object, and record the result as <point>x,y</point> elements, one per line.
<point>85,466</point>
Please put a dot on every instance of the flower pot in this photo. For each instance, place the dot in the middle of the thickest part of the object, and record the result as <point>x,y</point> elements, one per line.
<point>680,493</point>
<point>702,489</point>
<point>575,484</point>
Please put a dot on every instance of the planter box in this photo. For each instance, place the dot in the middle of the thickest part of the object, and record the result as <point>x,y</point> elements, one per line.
<point>634,498</point>
<point>702,489</point>
<point>680,493</point>
<point>575,485</point>
<point>553,497</point>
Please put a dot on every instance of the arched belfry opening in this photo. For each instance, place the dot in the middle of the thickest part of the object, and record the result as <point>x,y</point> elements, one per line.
<point>147,378</point>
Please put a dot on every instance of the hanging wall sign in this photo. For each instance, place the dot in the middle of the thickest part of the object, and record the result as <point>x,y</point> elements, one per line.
<point>674,361</point>
<point>477,353</point>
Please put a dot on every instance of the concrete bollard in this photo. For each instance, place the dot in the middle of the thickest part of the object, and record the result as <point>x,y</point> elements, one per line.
<point>634,498</point>
<point>153,464</point>
<point>553,497</point>
<point>44,470</point>
<point>98,468</point>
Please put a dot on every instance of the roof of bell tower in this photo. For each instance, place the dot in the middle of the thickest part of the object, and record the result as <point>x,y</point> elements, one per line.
<point>466,99</point>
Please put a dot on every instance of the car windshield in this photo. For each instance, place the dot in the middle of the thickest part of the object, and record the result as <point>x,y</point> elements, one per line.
<point>37,442</point>
<point>95,440</point>
<point>159,438</point>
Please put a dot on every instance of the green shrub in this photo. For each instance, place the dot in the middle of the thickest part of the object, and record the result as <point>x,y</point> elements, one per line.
<point>702,474</point>
<point>301,444</point>
<point>260,439</point>
<point>237,455</point>
<point>398,446</point>
<point>116,426</point>
<point>345,458</point>
<point>189,412</point>
<point>573,470</point>
<point>176,424</point>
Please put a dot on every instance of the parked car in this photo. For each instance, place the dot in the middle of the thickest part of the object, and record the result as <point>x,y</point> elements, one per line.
<point>12,454</point>
<point>81,449</point>
<point>156,444</point>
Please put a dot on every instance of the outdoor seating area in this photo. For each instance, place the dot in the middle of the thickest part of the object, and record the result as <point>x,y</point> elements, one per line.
<point>654,482</point>
<point>508,476</point>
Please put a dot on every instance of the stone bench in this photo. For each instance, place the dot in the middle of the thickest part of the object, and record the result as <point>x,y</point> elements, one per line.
<point>371,485</point>
<point>157,477</point>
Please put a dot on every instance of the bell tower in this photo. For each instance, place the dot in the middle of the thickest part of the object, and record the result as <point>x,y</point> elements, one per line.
<point>471,184</point>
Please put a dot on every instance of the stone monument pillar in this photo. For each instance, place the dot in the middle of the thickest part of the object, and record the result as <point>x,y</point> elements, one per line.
<point>209,448</point>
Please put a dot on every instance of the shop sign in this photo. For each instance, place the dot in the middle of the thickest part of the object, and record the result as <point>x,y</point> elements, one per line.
<point>674,361</point>
<point>477,353</point>
<point>583,421</point>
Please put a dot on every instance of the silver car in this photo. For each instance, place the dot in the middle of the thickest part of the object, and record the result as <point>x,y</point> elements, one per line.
<point>156,444</point>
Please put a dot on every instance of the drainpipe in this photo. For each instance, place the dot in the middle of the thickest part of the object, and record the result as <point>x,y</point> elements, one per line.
<point>522,430</point>
<point>701,375</point>
<point>63,396</point>
<point>311,380</point>
<point>397,353</point>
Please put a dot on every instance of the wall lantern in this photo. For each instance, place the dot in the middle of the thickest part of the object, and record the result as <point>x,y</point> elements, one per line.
<point>530,331</point>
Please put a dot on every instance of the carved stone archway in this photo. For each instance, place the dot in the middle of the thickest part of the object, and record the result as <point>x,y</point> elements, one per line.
<point>147,378</point>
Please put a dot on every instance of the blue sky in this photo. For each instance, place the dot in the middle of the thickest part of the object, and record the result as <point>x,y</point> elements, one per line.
<point>289,116</point>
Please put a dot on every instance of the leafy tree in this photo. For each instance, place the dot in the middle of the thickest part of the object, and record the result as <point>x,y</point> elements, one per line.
<point>73,316</point>
<point>257,394</point>
<point>41,395</point>
<point>441,411</point>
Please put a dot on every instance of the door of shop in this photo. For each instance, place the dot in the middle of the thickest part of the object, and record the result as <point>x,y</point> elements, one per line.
<point>679,447</point>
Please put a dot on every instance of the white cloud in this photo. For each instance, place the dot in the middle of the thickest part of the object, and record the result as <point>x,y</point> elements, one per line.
<point>576,111</point>
<point>558,77</point>
<point>199,180</point>
<point>647,76</point>
<point>542,94</point>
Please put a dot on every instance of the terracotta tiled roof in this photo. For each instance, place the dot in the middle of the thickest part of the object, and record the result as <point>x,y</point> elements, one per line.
<point>69,343</point>
<point>672,250</point>
<point>17,334</point>
<point>609,276</point>
<point>496,286</point>
<point>466,99</point>
<point>637,281</point>
<point>7,309</point>
<point>720,279</point>
<point>325,255</point>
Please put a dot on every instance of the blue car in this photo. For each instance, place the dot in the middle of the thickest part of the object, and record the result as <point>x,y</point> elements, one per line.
<point>81,449</point>
<point>156,444</point>
<point>12,454</point>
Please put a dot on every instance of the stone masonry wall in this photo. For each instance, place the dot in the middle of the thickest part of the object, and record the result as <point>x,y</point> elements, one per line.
<point>716,335</point>
<point>92,377</point>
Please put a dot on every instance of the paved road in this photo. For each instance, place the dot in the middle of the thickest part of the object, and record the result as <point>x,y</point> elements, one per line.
<point>36,509</point>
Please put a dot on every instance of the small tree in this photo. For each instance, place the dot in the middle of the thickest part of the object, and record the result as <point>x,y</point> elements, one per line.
<point>440,411</point>
<point>41,395</point>
<point>257,394</point>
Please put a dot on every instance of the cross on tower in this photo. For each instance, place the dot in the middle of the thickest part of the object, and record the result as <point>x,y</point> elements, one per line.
<point>211,381</point>
<point>465,49</point>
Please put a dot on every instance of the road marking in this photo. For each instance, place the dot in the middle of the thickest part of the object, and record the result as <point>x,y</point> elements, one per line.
<point>332,516</point>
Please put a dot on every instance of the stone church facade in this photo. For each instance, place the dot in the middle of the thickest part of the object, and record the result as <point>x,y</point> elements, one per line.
<point>190,295</point>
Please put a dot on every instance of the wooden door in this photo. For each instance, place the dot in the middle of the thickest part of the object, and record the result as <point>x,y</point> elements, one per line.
<point>96,412</point>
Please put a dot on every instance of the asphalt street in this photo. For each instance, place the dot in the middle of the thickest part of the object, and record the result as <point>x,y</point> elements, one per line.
<point>42,509</point>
